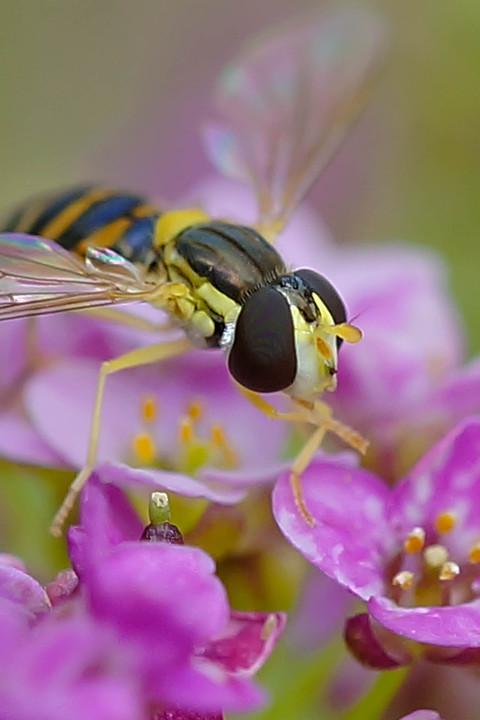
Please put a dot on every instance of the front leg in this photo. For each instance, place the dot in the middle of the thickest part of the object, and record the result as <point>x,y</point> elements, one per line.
<point>134,358</point>
<point>318,414</point>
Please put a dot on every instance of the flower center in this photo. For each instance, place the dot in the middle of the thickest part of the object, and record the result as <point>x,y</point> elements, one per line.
<point>198,441</point>
<point>425,573</point>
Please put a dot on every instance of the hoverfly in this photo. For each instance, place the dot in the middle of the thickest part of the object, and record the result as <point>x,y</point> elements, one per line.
<point>284,104</point>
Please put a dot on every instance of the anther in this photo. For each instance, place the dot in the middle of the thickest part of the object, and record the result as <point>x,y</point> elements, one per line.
<point>415,540</point>
<point>474,553</point>
<point>144,448</point>
<point>403,579</point>
<point>268,627</point>
<point>149,409</point>
<point>435,555</point>
<point>449,571</point>
<point>186,434</point>
<point>445,521</point>
<point>219,441</point>
<point>217,435</point>
<point>195,409</point>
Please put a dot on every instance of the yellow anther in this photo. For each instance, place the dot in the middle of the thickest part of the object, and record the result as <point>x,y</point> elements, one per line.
<point>149,409</point>
<point>403,579</point>
<point>435,555</point>
<point>144,448</point>
<point>269,627</point>
<point>228,457</point>
<point>186,433</point>
<point>195,409</point>
<point>449,571</point>
<point>415,540</point>
<point>323,348</point>
<point>445,521</point>
<point>217,435</point>
<point>474,553</point>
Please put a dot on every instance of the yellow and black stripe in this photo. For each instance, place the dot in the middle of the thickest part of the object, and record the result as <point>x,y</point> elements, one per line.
<point>92,215</point>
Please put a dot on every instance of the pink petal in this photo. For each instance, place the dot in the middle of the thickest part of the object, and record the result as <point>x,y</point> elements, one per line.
<point>450,626</point>
<point>127,477</point>
<point>246,641</point>
<point>350,535</point>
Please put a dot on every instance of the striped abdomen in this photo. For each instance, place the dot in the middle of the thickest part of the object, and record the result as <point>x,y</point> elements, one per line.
<point>91,215</point>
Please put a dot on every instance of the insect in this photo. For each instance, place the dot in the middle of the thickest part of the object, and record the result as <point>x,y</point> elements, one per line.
<point>284,105</point>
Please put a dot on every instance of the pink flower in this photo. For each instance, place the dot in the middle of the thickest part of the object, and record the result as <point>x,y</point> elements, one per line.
<point>141,630</point>
<point>409,553</point>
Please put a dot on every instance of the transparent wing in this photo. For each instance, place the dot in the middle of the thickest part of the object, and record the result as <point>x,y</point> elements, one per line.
<point>287,101</point>
<point>37,277</point>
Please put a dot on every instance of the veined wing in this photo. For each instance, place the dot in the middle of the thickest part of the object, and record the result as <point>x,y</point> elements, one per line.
<point>287,102</point>
<point>39,277</point>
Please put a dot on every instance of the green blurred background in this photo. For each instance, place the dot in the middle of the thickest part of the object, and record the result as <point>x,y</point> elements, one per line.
<point>117,91</point>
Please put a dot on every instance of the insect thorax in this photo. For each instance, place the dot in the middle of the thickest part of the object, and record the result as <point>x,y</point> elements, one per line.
<point>221,264</point>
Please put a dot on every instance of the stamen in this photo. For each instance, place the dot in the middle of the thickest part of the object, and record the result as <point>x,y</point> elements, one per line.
<point>268,627</point>
<point>415,540</point>
<point>217,435</point>
<point>149,409</point>
<point>445,521</point>
<point>195,409</point>
<point>220,442</point>
<point>435,555</point>
<point>403,579</point>
<point>186,434</point>
<point>474,553</point>
<point>144,447</point>
<point>449,571</point>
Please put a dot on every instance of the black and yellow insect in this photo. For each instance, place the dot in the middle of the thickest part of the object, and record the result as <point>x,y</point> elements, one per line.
<point>225,284</point>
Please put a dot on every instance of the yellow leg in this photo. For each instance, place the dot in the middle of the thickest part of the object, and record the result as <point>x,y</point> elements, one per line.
<point>125,318</point>
<point>318,414</point>
<point>134,358</point>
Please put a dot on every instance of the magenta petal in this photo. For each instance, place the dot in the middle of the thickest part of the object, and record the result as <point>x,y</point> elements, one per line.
<point>458,397</point>
<point>20,441</point>
<point>446,478</point>
<point>146,589</point>
<point>60,400</point>
<point>450,626</point>
<point>107,518</point>
<point>175,714</point>
<point>365,646</point>
<point>125,476</point>
<point>208,687</point>
<point>21,589</point>
<point>246,641</point>
<point>62,587</point>
<point>422,715</point>
<point>350,535</point>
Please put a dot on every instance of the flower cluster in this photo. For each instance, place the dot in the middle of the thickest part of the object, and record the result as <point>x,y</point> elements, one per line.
<point>411,553</point>
<point>139,628</point>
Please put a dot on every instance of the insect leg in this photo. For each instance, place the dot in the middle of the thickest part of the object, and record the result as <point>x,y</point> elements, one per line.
<point>269,410</point>
<point>127,319</point>
<point>318,414</point>
<point>134,358</point>
<point>325,423</point>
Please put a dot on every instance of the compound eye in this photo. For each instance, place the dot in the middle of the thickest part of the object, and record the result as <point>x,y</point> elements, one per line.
<point>263,356</point>
<point>327,293</point>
